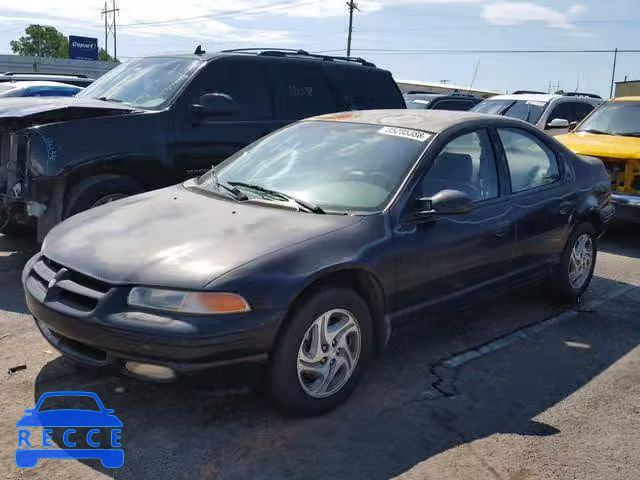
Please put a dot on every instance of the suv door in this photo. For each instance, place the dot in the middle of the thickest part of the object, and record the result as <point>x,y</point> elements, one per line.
<point>441,256</point>
<point>205,141</point>
<point>364,88</point>
<point>565,111</point>
<point>300,90</point>
<point>541,196</point>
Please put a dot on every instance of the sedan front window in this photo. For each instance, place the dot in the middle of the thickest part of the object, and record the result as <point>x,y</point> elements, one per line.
<point>337,166</point>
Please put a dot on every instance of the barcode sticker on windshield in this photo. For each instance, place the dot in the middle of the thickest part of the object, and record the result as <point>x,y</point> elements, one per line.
<point>405,133</point>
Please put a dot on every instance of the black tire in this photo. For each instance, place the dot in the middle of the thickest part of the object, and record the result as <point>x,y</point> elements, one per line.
<point>562,288</point>
<point>284,386</point>
<point>86,193</point>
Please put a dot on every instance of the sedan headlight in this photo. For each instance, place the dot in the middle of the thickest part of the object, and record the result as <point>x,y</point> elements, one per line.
<point>187,302</point>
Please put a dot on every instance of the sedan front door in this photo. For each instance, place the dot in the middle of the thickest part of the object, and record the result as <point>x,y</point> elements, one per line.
<point>442,256</point>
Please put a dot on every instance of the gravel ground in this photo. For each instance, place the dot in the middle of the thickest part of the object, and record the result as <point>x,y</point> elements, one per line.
<point>514,388</point>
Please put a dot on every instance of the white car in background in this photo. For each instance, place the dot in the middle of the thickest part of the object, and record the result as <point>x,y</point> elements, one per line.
<point>555,114</point>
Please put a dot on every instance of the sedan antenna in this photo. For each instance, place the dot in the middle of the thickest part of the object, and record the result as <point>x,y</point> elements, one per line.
<point>199,50</point>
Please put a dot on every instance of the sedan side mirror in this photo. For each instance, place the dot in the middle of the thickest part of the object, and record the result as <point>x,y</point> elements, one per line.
<point>446,202</point>
<point>558,123</point>
<point>214,105</point>
<point>572,126</point>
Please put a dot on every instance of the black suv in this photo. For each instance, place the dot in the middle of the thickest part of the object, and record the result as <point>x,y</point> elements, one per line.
<point>156,121</point>
<point>437,101</point>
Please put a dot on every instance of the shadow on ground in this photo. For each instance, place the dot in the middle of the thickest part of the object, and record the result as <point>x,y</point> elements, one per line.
<point>622,239</point>
<point>14,253</point>
<point>399,415</point>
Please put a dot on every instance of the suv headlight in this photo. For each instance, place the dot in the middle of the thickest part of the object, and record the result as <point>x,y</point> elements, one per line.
<point>187,302</point>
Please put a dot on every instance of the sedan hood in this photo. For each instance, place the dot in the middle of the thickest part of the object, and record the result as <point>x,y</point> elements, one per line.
<point>178,237</point>
<point>607,146</point>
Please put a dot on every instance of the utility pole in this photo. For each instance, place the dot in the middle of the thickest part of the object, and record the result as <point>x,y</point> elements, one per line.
<point>613,73</point>
<point>352,6</point>
<point>110,28</point>
<point>106,29</point>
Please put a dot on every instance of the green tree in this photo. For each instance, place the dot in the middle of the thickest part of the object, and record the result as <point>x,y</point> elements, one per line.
<point>41,41</point>
<point>104,56</point>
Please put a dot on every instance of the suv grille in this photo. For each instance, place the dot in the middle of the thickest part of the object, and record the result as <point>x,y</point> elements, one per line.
<point>54,283</point>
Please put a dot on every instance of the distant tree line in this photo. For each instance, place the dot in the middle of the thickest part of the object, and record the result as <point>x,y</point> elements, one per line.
<point>47,42</point>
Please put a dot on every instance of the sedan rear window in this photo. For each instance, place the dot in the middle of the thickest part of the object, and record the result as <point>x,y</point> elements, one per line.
<point>335,165</point>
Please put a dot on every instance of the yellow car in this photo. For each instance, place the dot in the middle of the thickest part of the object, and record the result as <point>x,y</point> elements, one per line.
<point>612,133</point>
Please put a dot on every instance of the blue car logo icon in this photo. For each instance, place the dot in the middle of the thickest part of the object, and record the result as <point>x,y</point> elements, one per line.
<point>98,418</point>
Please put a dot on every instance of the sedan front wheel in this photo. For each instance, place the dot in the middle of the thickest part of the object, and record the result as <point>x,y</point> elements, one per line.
<point>321,353</point>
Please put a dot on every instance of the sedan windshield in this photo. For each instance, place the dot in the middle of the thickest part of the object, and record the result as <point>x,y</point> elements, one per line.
<point>339,167</point>
<point>147,83</point>
<point>529,111</point>
<point>614,118</point>
<point>419,101</point>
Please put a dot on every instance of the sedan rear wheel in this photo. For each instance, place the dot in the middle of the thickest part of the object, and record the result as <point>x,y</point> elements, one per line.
<point>321,352</point>
<point>574,273</point>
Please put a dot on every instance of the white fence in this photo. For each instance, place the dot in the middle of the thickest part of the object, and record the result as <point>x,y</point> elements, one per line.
<point>18,64</point>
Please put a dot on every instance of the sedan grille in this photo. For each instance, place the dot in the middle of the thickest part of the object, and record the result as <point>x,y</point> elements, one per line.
<point>50,282</point>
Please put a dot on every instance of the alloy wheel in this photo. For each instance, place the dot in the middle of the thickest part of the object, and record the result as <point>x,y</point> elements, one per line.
<point>329,353</point>
<point>581,261</point>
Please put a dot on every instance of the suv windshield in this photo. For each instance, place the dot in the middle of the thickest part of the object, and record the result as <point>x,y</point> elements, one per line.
<point>527,110</point>
<point>614,118</point>
<point>340,167</point>
<point>147,83</point>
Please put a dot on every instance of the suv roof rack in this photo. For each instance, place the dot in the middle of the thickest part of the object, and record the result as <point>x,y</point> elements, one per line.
<point>581,94</point>
<point>79,75</point>
<point>286,52</point>
<point>530,92</point>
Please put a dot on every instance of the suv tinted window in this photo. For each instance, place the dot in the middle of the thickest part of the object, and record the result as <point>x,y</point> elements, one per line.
<point>364,88</point>
<point>531,163</point>
<point>467,164</point>
<point>582,110</point>
<point>242,80</point>
<point>301,90</point>
<point>565,111</point>
<point>459,105</point>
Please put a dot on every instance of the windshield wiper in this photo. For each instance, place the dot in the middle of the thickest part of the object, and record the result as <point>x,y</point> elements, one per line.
<point>628,134</point>
<point>107,99</point>
<point>237,194</point>
<point>597,132</point>
<point>302,203</point>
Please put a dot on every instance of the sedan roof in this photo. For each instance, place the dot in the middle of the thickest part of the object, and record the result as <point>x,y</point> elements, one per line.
<point>433,121</point>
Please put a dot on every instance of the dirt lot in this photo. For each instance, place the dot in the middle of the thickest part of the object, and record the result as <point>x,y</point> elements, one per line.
<point>514,388</point>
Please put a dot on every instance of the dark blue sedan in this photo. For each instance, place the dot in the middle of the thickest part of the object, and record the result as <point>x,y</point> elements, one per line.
<point>303,249</point>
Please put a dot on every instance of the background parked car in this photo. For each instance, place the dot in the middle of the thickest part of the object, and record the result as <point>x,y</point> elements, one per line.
<point>77,80</point>
<point>302,248</point>
<point>37,89</point>
<point>435,101</point>
<point>612,133</point>
<point>552,113</point>
<point>155,121</point>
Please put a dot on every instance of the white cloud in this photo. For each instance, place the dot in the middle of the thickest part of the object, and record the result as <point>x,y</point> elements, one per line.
<point>191,19</point>
<point>516,13</point>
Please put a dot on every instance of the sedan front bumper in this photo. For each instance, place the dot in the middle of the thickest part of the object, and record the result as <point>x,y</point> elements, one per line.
<point>109,332</point>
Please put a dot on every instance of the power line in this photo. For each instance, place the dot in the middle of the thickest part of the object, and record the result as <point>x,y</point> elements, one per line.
<point>264,8</point>
<point>382,51</point>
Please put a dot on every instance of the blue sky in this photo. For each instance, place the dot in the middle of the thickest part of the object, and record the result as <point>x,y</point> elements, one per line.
<point>149,26</point>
